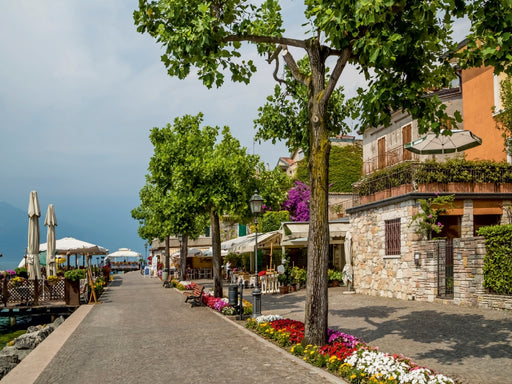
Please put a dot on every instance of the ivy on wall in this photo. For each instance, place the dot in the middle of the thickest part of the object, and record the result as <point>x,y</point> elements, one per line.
<point>345,166</point>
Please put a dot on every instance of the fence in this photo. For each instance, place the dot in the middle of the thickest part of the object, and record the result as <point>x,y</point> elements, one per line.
<point>32,292</point>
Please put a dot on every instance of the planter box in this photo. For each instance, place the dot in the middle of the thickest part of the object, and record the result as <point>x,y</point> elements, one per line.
<point>506,188</point>
<point>380,195</point>
<point>72,292</point>
<point>484,187</point>
<point>459,187</point>
<point>432,187</point>
<point>401,190</point>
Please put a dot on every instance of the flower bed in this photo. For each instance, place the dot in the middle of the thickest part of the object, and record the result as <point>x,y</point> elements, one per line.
<point>345,355</point>
<point>221,304</point>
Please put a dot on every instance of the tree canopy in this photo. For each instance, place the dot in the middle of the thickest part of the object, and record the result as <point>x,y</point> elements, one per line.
<point>403,48</point>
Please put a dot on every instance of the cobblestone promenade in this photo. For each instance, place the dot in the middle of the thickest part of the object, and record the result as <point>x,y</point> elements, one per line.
<point>143,333</point>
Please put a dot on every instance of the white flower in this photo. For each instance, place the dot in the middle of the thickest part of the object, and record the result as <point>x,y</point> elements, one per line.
<point>267,318</point>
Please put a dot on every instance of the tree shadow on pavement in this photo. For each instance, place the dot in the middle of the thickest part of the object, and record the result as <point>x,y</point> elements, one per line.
<point>447,337</point>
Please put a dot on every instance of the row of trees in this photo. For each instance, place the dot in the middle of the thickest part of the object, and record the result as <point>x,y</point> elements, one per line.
<point>404,49</point>
<point>193,181</point>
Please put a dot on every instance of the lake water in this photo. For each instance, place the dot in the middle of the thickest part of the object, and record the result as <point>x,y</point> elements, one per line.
<point>22,323</point>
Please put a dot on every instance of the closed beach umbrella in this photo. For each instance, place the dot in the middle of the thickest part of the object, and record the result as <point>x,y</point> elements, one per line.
<point>50,222</point>
<point>34,268</point>
<point>347,269</point>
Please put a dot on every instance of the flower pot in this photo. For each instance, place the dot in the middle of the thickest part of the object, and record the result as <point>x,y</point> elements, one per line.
<point>283,289</point>
<point>292,288</point>
<point>335,283</point>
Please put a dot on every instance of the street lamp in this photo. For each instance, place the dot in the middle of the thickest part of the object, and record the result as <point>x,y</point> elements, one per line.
<point>256,203</point>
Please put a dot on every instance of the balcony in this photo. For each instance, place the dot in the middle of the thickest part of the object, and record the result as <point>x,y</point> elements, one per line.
<point>453,176</point>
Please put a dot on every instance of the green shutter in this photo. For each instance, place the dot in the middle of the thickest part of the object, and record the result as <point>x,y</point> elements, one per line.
<point>207,234</point>
<point>242,230</point>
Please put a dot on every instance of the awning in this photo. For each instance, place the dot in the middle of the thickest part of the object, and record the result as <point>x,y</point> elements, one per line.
<point>264,241</point>
<point>232,242</point>
<point>296,234</point>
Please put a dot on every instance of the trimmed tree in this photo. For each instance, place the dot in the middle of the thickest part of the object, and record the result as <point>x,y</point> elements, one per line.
<point>400,46</point>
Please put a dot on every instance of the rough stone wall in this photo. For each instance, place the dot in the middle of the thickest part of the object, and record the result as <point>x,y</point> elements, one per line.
<point>376,273</point>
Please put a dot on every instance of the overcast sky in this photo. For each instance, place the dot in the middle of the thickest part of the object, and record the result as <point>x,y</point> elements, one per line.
<point>79,91</point>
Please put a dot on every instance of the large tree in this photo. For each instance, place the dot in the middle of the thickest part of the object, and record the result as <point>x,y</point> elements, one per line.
<point>403,48</point>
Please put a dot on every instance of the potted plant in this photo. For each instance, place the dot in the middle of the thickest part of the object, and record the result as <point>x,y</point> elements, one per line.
<point>299,276</point>
<point>284,280</point>
<point>72,286</point>
<point>335,277</point>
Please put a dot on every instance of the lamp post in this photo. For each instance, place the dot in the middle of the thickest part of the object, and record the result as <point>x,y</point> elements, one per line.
<point>145,254</point>
<point>256,202</point>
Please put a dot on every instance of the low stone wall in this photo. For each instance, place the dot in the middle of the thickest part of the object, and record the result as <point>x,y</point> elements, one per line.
<point>12,355</point>
<point>468,277</point>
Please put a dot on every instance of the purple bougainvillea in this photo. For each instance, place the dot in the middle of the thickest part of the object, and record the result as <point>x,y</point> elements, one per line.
<point>298,202</point>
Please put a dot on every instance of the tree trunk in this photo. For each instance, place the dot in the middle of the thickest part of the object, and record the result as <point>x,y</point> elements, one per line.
<point>166,255</point>
<point>316,310</point>
<point>217,272</point>
<point>183,256</point>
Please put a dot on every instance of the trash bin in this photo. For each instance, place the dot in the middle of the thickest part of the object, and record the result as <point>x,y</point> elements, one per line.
<point>233,295</point>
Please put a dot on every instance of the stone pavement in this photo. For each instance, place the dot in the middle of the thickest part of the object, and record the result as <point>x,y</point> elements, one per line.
<point>143,333</point>
<point>470,345</point>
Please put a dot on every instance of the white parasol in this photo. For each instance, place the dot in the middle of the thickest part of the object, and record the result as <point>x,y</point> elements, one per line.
<point>50,221</point>
<point>34,268</point>
<point>444,142</point>
<point>123,253</point>
<point>72,246</point>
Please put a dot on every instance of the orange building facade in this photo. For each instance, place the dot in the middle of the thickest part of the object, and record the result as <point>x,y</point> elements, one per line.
<point>480,93</point>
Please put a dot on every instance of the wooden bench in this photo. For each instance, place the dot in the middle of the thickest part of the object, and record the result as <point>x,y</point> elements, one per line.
<point>196,297</point>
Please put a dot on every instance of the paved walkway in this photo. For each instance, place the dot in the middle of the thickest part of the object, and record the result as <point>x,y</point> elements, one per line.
<point>144,333</point>
<point>470,345</point>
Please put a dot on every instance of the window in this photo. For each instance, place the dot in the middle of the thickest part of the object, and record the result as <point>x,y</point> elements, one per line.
<point>242,230</point>
<point>392,236</point>
<point>207,234</point>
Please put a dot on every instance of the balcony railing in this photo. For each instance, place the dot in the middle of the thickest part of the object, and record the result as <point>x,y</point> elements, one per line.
<point>391,157</point>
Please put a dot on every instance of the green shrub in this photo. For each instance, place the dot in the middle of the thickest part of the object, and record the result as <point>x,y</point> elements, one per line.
<point>75,274</point>
<point>271,220</point>
<point>21,272</point>
<point>497,267</point>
